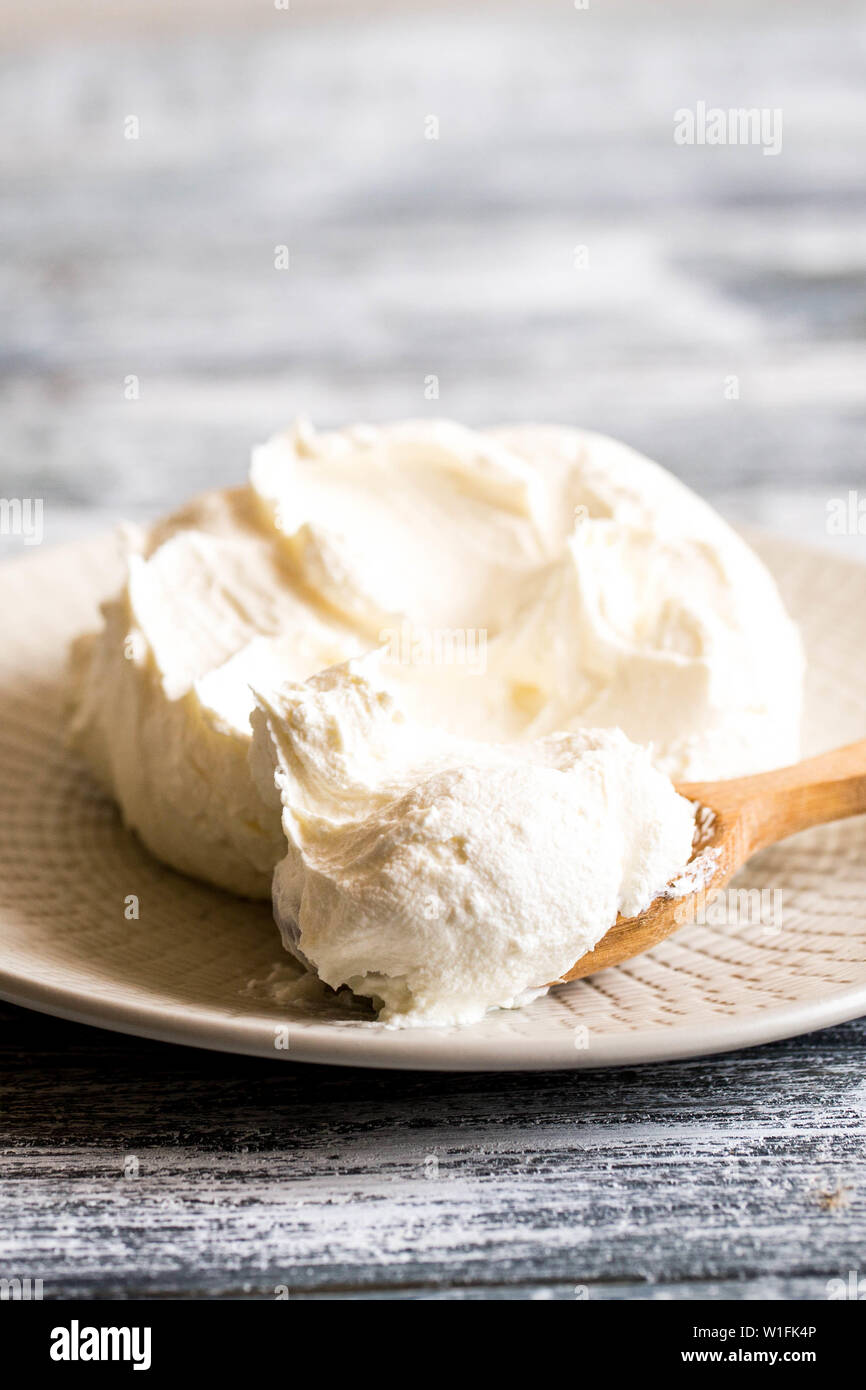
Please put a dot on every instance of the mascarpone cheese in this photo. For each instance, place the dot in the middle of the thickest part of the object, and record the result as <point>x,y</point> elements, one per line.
<point>441,876</point>
<point>518,587</point>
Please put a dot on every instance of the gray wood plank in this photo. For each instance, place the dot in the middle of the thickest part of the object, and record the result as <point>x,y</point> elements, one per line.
<point>155,256</point>
<point>243,1175</point>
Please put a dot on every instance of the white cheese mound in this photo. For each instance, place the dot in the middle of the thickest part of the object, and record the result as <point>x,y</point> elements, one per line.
<point>542,581</point>
<point>441,876</point>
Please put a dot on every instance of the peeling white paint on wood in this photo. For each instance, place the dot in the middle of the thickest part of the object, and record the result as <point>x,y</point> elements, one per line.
<point>744,1173</point>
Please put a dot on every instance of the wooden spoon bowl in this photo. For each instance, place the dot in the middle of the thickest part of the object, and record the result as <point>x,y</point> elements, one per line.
<point>748,814</point>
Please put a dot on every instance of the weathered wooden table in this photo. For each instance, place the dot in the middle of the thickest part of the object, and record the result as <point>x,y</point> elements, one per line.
<point>552,254</point>
<point>138,1169</point>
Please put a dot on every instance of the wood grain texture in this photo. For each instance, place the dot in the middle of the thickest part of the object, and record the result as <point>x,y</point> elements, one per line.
<point>454,257</point>
<point>741,1174</point>
<point>749,814</point>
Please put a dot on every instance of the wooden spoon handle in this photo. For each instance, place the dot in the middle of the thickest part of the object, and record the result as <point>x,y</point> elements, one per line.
<point>773,805</point>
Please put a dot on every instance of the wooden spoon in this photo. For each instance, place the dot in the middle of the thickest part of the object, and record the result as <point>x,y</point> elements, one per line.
<point>748,813</point>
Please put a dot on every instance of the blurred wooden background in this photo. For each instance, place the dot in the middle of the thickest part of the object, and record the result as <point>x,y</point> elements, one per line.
<point>153,257</point>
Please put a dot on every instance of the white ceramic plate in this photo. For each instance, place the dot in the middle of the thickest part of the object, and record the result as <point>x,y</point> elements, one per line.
<point>182,971</point>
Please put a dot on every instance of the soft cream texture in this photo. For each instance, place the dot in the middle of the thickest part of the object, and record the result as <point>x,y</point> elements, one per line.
<point>442,876</point>
<point>584,586</point>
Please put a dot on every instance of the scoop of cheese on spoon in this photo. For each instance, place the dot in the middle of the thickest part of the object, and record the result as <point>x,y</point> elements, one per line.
<point>442,876</point>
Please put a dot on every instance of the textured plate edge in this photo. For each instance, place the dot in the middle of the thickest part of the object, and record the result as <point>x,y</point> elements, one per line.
<point>383,1049</point>
<point>427,1050</point>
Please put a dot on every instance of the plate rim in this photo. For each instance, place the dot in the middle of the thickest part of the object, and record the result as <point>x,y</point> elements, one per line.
<point>372,1045</point>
